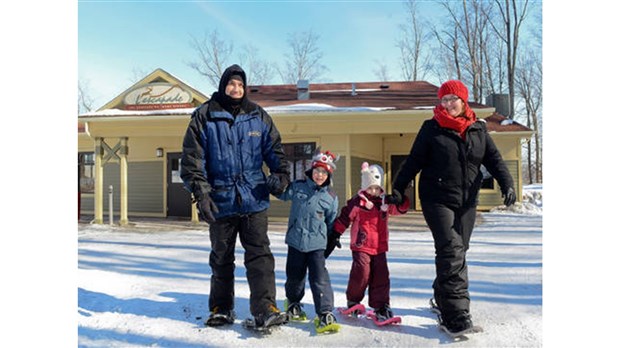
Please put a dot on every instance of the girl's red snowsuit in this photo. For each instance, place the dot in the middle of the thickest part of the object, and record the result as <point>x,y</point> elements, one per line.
<point>369,244</point>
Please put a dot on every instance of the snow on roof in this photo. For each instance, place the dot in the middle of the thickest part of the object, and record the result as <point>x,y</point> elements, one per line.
<point>119,112</point>
<point>302,107</point>
<point>319,107</point>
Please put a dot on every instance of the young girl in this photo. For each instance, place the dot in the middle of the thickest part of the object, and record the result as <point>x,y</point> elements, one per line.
<point>367,214</point>
<point>313,211</point>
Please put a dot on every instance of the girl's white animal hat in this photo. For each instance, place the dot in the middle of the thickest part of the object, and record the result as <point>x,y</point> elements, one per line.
<point>372,175</point>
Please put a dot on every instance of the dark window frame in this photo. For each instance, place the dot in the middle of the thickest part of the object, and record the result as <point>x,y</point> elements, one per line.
<point>299,158</point>
<point>86,172</point>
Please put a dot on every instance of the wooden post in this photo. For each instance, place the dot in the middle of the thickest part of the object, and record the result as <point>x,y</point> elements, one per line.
<point>98,181</point>
<point>123,151</point>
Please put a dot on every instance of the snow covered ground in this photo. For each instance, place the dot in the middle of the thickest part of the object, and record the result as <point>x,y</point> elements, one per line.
<point>150,288</point>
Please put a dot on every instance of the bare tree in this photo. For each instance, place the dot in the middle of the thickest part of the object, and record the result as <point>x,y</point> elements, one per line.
<point>493,77</point>
<point>446,64</point>
<point>258,71</point>
<point>213,56</point>
<point>529,85</point>
<point>381,72</point>
<point>303,62</point>
<point>85,101</point>
<point>470,23</point>
<point>414,65</point>
<point>512,19</point>
<point>138,74</point>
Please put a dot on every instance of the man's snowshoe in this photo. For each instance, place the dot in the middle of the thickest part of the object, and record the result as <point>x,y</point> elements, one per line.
<point>326,323</point>
<point>295,312</point>
<point>219,317</point>
<point>265,322</point>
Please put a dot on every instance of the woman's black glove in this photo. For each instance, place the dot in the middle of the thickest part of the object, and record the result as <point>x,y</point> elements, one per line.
<point>510,197</point>
<point>333,241</point>
<point>395,198</point>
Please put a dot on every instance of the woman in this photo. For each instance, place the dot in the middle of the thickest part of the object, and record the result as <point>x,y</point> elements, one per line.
<point>448,151</point>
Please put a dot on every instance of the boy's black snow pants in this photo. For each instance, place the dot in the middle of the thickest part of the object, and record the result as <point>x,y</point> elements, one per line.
<point>258,260</point>
<point>452,229</point>
<point>297,262</point>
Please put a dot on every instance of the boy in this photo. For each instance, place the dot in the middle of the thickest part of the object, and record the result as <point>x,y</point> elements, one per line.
<point>312,215</point>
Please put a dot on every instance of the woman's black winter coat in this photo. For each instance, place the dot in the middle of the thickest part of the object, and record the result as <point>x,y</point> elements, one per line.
<point>450,166</point>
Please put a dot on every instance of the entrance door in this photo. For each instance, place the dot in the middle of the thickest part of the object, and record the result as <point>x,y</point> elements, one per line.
<point>179,199</point>
<point>396,162</point>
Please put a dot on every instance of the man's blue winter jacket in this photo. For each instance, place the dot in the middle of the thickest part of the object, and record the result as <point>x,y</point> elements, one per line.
<point>223,156</point>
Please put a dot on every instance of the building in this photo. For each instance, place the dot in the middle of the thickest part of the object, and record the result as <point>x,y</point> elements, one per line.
<point>134,142</point>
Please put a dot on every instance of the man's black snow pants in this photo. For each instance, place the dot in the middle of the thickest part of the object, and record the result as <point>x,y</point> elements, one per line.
<point>452,229</point>
<point>258,260</point>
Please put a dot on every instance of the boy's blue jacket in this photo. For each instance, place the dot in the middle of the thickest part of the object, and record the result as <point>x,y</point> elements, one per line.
<point>312,215</point>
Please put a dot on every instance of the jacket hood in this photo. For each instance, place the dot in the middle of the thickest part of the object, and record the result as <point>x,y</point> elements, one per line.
<point>228,73</point>
<point>229,104</point>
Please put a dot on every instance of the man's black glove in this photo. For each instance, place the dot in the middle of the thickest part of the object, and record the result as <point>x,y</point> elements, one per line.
<point>333,241</point>
<point>395,198</point>
<point>277,183</point>
<point>206,207</point>
<point>510,197</point>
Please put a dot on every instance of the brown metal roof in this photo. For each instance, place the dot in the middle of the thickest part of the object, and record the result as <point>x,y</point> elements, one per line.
<point>494,124</point>
<point>398,95</point>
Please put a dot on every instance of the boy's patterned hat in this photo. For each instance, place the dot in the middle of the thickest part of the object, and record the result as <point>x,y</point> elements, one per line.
<point>324,160</point>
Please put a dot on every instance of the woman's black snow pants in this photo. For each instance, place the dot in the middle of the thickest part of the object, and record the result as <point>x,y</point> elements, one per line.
<point>452,229</point>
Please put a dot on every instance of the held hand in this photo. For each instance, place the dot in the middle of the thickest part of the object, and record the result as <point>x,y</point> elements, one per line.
<point>510,197</point>
<point>395,198</point>
<point>333,241</point>
<point>277,183</point>
<point>206,207</point>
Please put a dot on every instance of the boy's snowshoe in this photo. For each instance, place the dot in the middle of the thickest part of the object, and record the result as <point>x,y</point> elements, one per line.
<point>219,317</point>
<point>326,323</point>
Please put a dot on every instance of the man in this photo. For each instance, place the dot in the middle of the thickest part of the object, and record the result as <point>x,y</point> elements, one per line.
<point>227,140</point>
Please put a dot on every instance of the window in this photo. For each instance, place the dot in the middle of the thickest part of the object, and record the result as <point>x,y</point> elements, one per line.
<point>299,158</point>
<point>487,179</point>
<point>86,169</point>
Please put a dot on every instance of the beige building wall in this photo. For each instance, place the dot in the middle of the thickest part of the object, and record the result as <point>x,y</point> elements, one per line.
<point>346,135</point>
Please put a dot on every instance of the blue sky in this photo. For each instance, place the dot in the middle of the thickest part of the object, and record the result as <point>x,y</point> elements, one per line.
<point>121,41</point>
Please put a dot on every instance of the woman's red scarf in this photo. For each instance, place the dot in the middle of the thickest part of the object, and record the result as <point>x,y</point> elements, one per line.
<point>459,123</point>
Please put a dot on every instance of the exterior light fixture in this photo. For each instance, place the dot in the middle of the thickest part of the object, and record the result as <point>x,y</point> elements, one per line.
<point>159,152</point>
